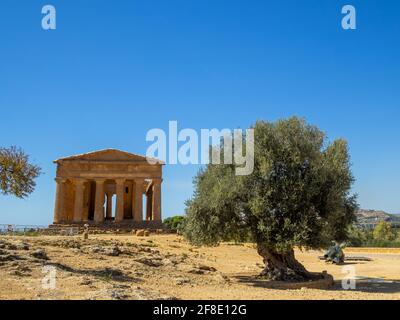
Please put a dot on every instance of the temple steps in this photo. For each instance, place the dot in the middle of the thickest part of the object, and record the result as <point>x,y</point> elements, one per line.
<point>108,227</point>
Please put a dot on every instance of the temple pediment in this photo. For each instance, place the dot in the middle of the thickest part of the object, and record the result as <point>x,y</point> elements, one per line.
<point>108,155</point>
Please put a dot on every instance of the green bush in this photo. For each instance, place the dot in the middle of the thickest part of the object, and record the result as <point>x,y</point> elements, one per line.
<point>383,232</point>
<point>174,223</point>
<point>357,237</point>
<point>380,237</point>
<point>382,244</point>
<point>26,233</point>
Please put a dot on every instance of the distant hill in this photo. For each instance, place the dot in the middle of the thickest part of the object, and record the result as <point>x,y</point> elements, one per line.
<point>374,216</point>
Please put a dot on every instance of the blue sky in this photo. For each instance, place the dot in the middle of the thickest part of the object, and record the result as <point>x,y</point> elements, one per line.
<point>115,69</point>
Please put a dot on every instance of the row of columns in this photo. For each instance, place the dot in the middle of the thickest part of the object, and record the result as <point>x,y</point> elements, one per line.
<point>78,215</point>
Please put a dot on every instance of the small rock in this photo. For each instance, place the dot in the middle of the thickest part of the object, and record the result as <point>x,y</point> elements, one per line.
<point>120,286</point>
<point>40,254</point>
<point>22,246</point>
<point>168,262</point>
<point>181,281</point>
<point>184,256</point>
<point>85,282</point>
<point>117,295</point>
<point>206,268</point>
<point>95,249</point>
<point>140,233</point>
<point>150,262</point>
<point>113,251</point>
<point>221,278</point>
<point>196,271</point>
<point>21,271</point>
<point>9,257</point>
<point>12,246</point>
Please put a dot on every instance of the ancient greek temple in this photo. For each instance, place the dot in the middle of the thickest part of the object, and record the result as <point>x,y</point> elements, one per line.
<point>108,187</point>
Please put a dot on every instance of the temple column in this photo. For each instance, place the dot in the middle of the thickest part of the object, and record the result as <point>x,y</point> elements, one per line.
<point>59,204</point>
<point>149,204</point>
<point>138,201</point>
<point>109,206</point>
<point>99,201</point>
<point>119,215</point>
<point>156,200</point>
<point>78,206</point>
<point>86,199</point>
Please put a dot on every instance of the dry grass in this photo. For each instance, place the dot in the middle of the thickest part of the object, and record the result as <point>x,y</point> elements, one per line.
<point>166,267</point>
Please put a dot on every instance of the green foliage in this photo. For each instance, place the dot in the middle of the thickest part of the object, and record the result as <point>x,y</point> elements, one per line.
<point>383,232</point>
<point>174,223</point>
<point>17,175</point>
<point>27,233</point>
<point>298,194</point>
<point>358,237</point>
<point>382,244</point>
<point>373,238</point>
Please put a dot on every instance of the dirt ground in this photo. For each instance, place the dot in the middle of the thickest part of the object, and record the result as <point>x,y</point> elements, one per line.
<point>166,267</point>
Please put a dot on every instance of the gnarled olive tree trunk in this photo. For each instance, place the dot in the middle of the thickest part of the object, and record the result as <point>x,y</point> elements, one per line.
<point>282,266</point>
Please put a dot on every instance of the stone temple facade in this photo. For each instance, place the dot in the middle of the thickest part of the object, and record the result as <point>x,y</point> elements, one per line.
<point>108,188</point>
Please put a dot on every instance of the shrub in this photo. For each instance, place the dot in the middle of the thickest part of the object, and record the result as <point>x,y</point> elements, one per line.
<point>383,232</point>
<point>174,223</point>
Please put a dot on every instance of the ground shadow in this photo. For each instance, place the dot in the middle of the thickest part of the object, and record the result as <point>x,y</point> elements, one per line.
<point>349,263</point>
<point>106,273</point>
<point>371,285</point>
<point>255,281</point>
<point>367,285</point>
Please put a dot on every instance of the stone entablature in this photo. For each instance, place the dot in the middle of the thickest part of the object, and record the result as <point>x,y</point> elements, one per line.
<point>87,183</point>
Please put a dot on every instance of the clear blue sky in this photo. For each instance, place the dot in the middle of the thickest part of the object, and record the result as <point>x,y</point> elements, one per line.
<point>115,69</point>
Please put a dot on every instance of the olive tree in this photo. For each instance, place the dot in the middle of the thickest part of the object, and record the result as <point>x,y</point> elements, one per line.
<point>17,175</point>
<point>383,232</point>
<point>297,196</point>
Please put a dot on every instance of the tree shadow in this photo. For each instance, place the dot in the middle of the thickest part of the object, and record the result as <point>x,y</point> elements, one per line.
<point>371,285</point>
<point>105,273</point>
<point>255,281</point>
<point>349,263</point>
<point>365,284</point>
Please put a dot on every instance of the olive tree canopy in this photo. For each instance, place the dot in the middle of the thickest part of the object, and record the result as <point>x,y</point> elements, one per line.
<point>297,196</point>
<point>17,175</point>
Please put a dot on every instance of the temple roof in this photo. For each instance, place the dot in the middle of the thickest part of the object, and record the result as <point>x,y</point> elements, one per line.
<point>108,155</point>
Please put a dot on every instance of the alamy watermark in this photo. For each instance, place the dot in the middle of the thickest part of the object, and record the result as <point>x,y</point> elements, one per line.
<point>238,147</point>
<point>49,278</point>
<point>349,280</point>
<point>49,18</point>
<point>349,21</point>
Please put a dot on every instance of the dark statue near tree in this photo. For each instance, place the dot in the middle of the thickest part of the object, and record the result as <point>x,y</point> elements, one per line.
<point>335,253</point>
